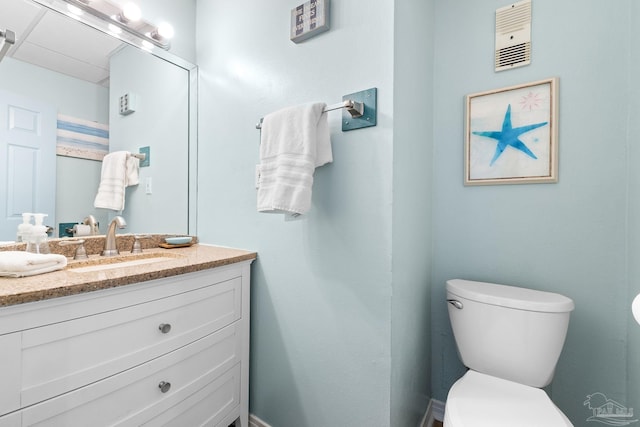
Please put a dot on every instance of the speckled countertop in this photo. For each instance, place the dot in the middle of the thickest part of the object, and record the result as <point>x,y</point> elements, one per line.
<point>75,278</point>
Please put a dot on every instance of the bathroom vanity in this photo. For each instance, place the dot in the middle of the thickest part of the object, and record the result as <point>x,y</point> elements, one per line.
<point>157,343</point>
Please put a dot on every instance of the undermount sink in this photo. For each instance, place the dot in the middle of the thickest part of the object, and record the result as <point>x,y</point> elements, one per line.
<point>120,261</point>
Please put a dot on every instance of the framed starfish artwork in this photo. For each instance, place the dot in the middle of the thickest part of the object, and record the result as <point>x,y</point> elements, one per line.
<point>511,135</point>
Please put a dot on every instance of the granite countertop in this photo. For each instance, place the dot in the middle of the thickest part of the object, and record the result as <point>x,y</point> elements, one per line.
<point>65,282</point>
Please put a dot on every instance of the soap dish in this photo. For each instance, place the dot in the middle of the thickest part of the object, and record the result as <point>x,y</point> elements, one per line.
<point>178,240</point>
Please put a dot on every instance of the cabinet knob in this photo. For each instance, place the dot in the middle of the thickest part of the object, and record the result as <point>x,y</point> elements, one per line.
<point>164,328</point>
<point>164,386</point>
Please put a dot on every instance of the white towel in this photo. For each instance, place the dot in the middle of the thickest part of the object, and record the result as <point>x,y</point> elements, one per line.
<point>21,264</point>
<point>294,142</point>
<point>119,170</point>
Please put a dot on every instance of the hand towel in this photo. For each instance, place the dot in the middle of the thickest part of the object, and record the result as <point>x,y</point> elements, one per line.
<point>119,170</point>
<point>294,141</point>
<point>22,264</point>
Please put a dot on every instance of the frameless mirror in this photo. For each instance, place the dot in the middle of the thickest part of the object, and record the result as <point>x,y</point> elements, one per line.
<point>61,86</point>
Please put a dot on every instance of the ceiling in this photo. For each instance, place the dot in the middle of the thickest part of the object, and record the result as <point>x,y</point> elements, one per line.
<point>56,42</point>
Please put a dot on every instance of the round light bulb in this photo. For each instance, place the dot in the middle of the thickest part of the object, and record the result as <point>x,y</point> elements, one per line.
<point>165,30</point>
<point>131,12</point>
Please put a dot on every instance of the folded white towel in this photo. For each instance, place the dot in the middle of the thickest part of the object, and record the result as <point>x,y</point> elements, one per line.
<point>294,141</point>
<point>119,170</point>
<point>21,264</point>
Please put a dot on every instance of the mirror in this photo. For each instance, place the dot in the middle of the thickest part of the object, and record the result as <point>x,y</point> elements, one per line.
<point>81,73</point>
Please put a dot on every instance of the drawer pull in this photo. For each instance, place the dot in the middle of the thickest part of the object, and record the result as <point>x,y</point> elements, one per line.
<point>164,386</point>
<point>164,328</point>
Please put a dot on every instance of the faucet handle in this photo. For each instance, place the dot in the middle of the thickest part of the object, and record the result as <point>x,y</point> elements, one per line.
<point>137,247</point>
<point>81,252</point>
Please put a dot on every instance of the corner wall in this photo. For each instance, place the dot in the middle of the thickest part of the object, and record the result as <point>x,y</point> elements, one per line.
<point>322,286</point>
<point>412,219</point>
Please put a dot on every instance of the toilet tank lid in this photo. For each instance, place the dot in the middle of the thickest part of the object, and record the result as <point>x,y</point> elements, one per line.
<point>510,296</point>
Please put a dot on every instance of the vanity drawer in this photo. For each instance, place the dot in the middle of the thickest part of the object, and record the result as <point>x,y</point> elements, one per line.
<point>10,346</point>
<point>11,420</point>
<point>216,402</point>
<point>209,367</point>
<point>65,356</point>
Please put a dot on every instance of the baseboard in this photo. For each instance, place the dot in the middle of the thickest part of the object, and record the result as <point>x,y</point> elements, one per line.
<point>256,422</point>
<point>427,420</point>
<point>438,409</point>
<point>435,411</point>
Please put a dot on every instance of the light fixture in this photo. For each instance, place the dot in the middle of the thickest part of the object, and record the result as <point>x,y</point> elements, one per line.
<point>114,29</point>
<point>163,32</point>
<point>123,22</point>
<point>75,10</point>
<point>8,39</point>
<point>132,12</point>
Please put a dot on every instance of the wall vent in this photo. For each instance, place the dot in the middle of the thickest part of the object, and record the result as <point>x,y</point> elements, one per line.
<point>513,35</point>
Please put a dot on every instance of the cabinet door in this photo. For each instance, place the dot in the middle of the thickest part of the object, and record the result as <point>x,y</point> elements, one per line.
<point>68,355</point>
<point>137,395</point>
<point>9,373</point>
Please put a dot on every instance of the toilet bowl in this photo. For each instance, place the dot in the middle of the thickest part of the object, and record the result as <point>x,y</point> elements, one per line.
<point>480,400</point>
<point>510,338</point>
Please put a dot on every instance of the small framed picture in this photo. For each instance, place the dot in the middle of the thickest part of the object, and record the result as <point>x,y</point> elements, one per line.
<point>309,19</point>
<point>511,135</point>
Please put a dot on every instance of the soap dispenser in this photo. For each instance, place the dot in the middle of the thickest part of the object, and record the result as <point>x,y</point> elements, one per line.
<point>38,242</point>
<point>24,229</point>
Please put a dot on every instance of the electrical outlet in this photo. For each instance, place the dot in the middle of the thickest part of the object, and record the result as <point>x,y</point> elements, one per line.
<point>148,186</point>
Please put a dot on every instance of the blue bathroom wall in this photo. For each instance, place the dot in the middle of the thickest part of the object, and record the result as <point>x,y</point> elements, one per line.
<point>325,305</point>
<point>412,183</point>
<point>571,237</point>
<point>633,189</point>
<point>162,91</point>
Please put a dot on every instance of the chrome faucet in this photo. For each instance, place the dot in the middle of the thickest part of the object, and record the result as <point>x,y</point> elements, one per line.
<point>110,247</point>
<point>92,223</point>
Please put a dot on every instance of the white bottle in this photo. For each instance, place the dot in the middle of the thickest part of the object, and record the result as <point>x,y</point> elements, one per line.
<point>24,229</point>
<point>39,241</point>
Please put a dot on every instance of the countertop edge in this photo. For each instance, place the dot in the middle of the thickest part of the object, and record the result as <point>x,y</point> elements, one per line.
<point>60,283</point>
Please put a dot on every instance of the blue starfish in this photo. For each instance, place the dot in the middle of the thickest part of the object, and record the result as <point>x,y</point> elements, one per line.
<point>509,136</point>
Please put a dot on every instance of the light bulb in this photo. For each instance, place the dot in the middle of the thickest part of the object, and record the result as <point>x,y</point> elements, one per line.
<point>131,12</point>
<point>165,30</point>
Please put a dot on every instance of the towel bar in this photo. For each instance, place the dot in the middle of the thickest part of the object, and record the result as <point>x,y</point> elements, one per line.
<point>356,109</point>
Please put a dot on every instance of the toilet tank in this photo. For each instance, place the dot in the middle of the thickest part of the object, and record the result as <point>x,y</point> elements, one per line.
<point>508,332</point>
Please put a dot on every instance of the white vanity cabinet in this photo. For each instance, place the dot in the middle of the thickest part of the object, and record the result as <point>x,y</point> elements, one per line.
<point>170,351</point>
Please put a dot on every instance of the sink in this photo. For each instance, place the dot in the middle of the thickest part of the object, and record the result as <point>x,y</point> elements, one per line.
<point>122,261</point>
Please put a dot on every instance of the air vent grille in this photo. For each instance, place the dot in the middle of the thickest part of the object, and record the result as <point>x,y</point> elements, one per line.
<point>513,36</point>
<point>513,56</point>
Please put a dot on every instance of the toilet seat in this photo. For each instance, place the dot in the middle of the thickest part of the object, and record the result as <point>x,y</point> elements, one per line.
<point>479,400</point>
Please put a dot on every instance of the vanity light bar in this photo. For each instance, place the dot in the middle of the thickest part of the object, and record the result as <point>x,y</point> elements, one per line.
<point>108,14</point>
<point>8,40</point>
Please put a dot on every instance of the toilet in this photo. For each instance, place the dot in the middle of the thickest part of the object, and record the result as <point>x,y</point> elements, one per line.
<point>510,338</point>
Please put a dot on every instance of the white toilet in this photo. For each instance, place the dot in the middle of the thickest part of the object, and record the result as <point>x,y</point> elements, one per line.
<point>510,338</point>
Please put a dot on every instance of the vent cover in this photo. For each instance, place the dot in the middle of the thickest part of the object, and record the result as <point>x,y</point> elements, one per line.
<point>513,35</point>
